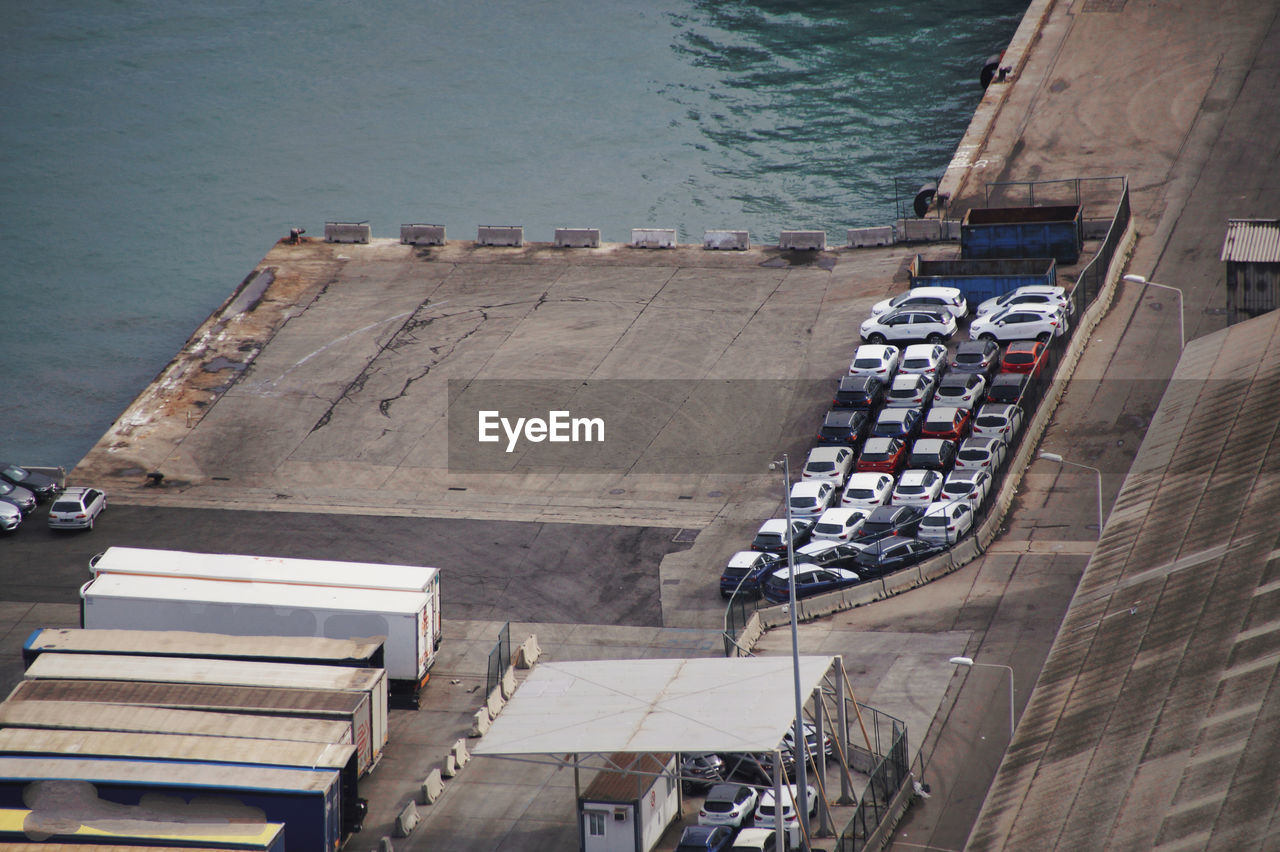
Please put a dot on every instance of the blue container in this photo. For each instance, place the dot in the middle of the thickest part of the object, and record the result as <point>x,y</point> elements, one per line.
<point>990,233</point>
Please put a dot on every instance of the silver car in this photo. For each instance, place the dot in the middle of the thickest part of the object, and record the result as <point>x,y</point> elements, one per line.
<point>10,517</point>
<point>77,509</point>
<point>16,495</point>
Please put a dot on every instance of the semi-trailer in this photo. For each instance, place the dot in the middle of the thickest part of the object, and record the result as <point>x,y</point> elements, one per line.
<point>153,602</point>
<point>362,653</point>
<point>200,749</point>
<point>78,789</point>
<point>287,709</point>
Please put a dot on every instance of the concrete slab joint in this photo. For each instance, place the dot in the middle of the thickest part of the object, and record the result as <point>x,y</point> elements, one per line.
<point>480,725</point>
<point>407,820</point>
<point>432,787</point>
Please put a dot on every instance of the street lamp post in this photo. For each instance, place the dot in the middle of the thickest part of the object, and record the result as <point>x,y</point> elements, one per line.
<point>969,663</point>
<point>1054,457</point>
<point>799,746</point>
<point>1182,333</point>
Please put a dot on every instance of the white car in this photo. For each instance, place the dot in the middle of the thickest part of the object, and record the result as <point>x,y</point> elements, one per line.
<point>945,521</point>
<point>766,810</point>
<point>909,324</point>
<point>909,390</point>
<point>728,804</point>
<point>1023,323</point>
<point>927,359</point>
<point>917,487</point>
<point>877,361</point>
<point>867,490</point>
<point>970,486</point>
<point>961,390</point>
<point>839,524</point>
<point>998,420</point>
<point>1032,294</point>
<point>936,299</point>
<point>980,454</point>
<point>809,498</point>
<point>77,509</point>
<point>833,463</point>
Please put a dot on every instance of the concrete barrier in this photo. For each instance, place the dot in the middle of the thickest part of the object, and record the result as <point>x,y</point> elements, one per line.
<point>867,237</point>
<point>500,235</point>
<point>919,230</point>
<point>422,235</point>
<point>407,820</point>
<point>346,232</point>
<point>804,240</point>
<point>653,237</point>
<point>432,787</point>
<point>460,753</point>
<point>528,653</point>
<point>951,229</point>
<point>578,237</point>
<point>495,702</point>
<point>508,684</point>
<point>726,240</point>
<point>450,766</point>
<point>384,845</point>
<point>480,724</point>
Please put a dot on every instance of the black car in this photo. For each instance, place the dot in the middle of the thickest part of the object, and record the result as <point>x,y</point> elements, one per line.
<point>745,570</point>
<point>37,483</point>
<point>932,454</point>
<point>827,554</point>
<point>901,423</point>
<point>705,838</point>
<point>772,535</point>
<point>699,770</point>
<point>887,521</point>
<point>844,426</point>
<point>894,552</point>
<point>1008,388</point>
<point>977,356</point>
<point>864,392</point>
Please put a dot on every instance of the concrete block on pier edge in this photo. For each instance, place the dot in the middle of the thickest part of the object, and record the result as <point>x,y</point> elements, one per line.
<point>866,237</point>
<point>500,235</point>
<point>731,240</point>
<point>919,230</point>
<point>422,235</point>
<point>653,237</point>
<point>346,232</point>
<point>807,240</point>
<point>951,229</point>
<point>578,237</point>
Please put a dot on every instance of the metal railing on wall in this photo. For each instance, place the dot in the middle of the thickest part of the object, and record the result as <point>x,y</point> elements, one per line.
<point>891,771</point>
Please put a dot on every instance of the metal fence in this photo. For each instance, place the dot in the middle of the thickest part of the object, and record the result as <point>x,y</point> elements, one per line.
<point>889,773</point>
<point>499,659</point>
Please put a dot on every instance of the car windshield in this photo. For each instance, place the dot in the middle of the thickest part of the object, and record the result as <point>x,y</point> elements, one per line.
<point>958,488</point>
<point>910,489</point>
<point>15,471</point>
<point>903,393</point>
<point>1020,358</point>
<point>991,421</point>
<point>974,454</point>
<point>716,806</point>
<point>969,358</point>
<point>5,487</point>
<point>859,493</point>
<point>828,528</point>
<point>65,506</point>
<point>867,363</point>
<point>821,466</point>
<point>765,539</point>
<point>916,363</point>
<point>935,521</point>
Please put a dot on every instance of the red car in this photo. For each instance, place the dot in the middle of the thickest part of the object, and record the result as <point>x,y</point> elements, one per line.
<point>1024,356</point>
<point>883,455</point>
<point>948,422</point>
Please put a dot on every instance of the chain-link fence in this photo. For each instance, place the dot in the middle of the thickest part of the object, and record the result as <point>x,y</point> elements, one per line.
<point>889,773</point>
<point>499,659</point>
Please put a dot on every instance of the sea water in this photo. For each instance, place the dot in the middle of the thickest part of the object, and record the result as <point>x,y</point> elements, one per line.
<point>152,152</point>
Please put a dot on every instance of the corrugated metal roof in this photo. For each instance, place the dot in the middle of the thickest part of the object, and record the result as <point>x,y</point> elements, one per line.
<point>1252,241</point>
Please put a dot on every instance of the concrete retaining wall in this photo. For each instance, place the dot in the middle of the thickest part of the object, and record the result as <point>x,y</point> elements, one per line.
<point>653,237</point>
<point>422,235</point>
<point>867,237</point>
<point>578,237</point>
<point>500,235</point>
<point>347,232</point>
<point>806,240</point>
<point>730,240</point>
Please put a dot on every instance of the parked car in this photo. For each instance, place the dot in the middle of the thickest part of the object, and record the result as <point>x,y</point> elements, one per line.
<point>916,488</point>
<point>728,804</point>
<point>839,524</point>
<point>1018,324</point>
<point>1030,294</point>
<point>976,356</point>
<point>77,509</point>
<point>705,838</point>
<point>936,299</point>
<point>946,521</point>
<point>42,486</point>
<point>927,359</point>
<point>867,490</point>
<point>889,521</point>
<point>905,324</point>
<point>882,455</point>
<point>932,454</point>
<point>767,812</point>
<point>896,423</point>
<point>745,570</point>
<point>828,554</point>
<point>1024,356</point>
<point>701,770</point>
<point>846,426</point>
<point>810,580</point>
<point>809,498</point>
<point>996,420</point>
<point>17,496</point>
<point>1007,389</point>
<point>892,553</point>
<point>909,390</point>
<point>833,463</point>
<point>862,392</point>
<point>963,390</point>
<point>980,454</point>
<point>971,486</point>
<point>877,361</point>
<point>788,745</point>
<point>772,535</point>
<point>755,840</point>
<point>947,422</point>
<point>10,517</point>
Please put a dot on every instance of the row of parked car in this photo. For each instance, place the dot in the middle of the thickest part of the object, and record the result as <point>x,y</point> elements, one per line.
<point>22,490</point>
<point>911,446</point>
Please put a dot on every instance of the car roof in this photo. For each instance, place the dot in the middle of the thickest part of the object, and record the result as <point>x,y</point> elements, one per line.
<point>805,486</point>
<point>903,380</point>
<point>825,451</point>
<point>935,291</point>
<point>931,445</point>
<point>941,507</point>
<point>876,444</point>
<point>880,349</point>
<point>960,379</point>
<point>915,476</point>
<point>1010,379</point>
<point>970,443</point>
<point>867,476</point>
<point>944,412</point>
<point>744,558</point>
<point>843,512</point>
<point>774,525</point>
<point>725,792</point>
<point>918,349</point>
<point>1019,345</point>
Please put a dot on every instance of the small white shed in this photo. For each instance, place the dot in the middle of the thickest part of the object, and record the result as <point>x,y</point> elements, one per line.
<point>627,809</point>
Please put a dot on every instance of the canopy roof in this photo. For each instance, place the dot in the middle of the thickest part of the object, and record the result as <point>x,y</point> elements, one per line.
<point>705,704</point>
